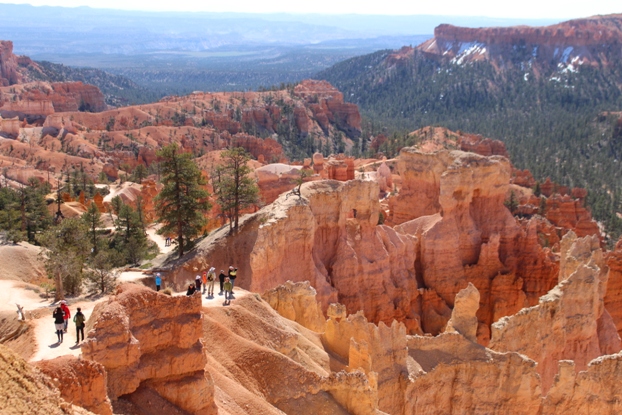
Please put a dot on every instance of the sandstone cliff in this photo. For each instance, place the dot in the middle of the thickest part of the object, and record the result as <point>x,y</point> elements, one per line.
<point>25,390</point>
<point>570,322</point>
<point>147,339</point>
<point>263,363</point>
<point>81,382</point>
<point>9,74</point>
<point>574,42</point>
<point>330,237</point>
<point>613,297</point>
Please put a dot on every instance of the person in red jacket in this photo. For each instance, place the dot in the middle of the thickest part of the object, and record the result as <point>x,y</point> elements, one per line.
<point>63,306</point>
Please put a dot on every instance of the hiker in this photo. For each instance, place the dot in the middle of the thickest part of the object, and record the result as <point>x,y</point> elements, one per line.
<point>80,321</point>
<point>204,281</point>
<point>233,273</point>
<point>197,283</point>
<point>211,279</point>
<point>228,290</point>
<point>59,323</point>
<point>191,289</point>
<point>63,306</point>
<point>158,281</point>
<point>221,277</point>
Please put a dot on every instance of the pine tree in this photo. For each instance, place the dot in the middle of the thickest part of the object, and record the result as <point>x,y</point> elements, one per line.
<point>234,188</point>
<point>67,249</point>
<point>100,277</point>
<point>139,173</point>
<point>92,218</point>
<point>182,203</point>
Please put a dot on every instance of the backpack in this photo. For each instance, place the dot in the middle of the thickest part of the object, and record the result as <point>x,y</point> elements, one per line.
<point>79,319</point>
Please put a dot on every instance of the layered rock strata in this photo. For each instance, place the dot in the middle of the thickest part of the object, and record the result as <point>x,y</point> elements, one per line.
<point>570,322</point>
<point>81,382</point>
<point>263,363</point>
<point>144,338</point>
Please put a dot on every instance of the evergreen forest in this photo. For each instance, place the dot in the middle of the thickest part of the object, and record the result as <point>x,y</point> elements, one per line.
<point>558,124</point>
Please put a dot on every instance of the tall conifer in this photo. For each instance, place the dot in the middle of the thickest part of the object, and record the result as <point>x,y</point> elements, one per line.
<point>182,203</point>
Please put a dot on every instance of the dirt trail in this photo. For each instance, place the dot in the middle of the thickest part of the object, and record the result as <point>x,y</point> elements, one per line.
<point>159,239</point>
<point>218,300</point>
<point>45,333</point>
<point>12,292</point>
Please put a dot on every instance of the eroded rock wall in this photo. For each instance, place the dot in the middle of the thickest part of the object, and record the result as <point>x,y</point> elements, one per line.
<point>329,236</point>
<point>142,337</point>
<point>81,382</point>
<point>570,322</point>
<point>378,350</point>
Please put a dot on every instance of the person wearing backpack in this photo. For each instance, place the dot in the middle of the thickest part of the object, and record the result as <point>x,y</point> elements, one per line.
<point>80,321</point>
<point>59,323</point>
<point>233,273</point>
<point>222,277</point>
<point>228,291</point>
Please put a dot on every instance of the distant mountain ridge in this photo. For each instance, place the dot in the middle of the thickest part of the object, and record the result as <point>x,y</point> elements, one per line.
<point>544,91</point>
<point>591,41</point>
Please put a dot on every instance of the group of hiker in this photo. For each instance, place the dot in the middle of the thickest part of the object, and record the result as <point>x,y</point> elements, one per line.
<point>204,281</point>
<point>61,317</point>
<point>207,280</point>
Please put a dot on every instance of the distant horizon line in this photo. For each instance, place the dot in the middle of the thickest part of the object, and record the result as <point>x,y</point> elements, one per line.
<point>294,13</point>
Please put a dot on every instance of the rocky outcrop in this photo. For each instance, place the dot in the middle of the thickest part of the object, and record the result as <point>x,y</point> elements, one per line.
<point>414,374</point>
<point>462,186</point>
<point>261,362</point>
<point>463,316</point>
<point>144,338</point>
<point>10,127</point>
<point>570,322</point>
<point>81,382</point>
<point>296,302</point>
<point>9,74</point>
<point>76,96</point>
<point>384,178</point>
<point>327,105</point>
<point>278,178</point>
<point>267,148</point>
<point>25,390</point>
<point>379,351</point>
<point>593,390</point>
<point>482,146</point>
<point>39,99</point>
<point>453,375</point>
<point>569,213</point>
<point>613,297</point>
<point>442,202</point>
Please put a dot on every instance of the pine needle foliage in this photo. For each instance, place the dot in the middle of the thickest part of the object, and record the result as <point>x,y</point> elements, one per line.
<point>182,203</point>
<point>234,187</point>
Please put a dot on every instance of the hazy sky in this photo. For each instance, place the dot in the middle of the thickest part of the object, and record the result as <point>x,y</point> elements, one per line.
<point>491,8</point>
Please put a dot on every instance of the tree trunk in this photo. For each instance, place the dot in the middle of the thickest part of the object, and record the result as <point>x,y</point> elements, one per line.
<point>58,281</point>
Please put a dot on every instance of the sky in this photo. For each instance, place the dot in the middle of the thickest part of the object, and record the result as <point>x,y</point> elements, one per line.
<point>490,8</point>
